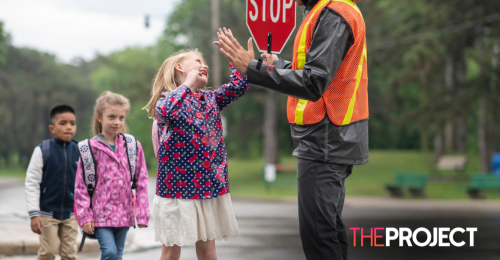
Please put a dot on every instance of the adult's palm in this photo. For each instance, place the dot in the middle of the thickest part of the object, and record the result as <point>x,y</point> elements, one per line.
<point>233,51</point>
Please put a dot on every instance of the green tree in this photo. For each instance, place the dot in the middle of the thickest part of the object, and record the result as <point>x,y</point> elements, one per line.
<point>130,72</point>
<point>429,66</point>
<point>3,44</point>
<point>31,83</point>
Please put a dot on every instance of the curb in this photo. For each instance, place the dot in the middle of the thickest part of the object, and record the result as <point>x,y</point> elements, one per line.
<point>19,248</point>
<point>23,248</point>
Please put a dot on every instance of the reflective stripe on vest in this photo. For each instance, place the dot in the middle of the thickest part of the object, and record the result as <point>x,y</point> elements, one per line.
<point>301,59</point>
<point>348,115</point>
<point>351,3</point>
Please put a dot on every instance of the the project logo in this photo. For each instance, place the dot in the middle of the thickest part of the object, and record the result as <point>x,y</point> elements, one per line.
<point>440,236</point>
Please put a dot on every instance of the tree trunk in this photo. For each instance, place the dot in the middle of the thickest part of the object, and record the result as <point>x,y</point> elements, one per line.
<point>482,135</point>
<point>494,116</point>
<point>438,145</point>
<point>461,123</point>
<point>216,82</point>
<point>448,137</point>
<point>493,137</point>
<point>424,140</point>
<point>462,135</point>
<point>271,128</point>
<point>46,119</point>
<point>449,82</point>
<point>6,158</point>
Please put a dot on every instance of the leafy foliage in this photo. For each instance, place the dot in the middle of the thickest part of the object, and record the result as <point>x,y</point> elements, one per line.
<point>429,63</point>
<point>31,83</point>
<point>3,44</point>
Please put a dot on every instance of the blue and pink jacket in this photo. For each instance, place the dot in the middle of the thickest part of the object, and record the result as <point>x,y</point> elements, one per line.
<point>192,159</point>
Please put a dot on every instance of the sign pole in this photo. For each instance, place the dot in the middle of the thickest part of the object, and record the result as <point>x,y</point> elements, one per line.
<point>269,42</point>
<point>270,127</point>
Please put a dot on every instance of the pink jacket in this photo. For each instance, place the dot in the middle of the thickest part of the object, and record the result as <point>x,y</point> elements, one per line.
<point>112,200</point>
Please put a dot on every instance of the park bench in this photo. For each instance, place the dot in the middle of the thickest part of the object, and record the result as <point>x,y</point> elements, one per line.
<point>479,183</point>
<point>413,181</point>
<point>280,176</point>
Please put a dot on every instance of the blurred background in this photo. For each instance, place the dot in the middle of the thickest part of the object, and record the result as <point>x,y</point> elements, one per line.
<point>433,84</point>
<point>434,116</point>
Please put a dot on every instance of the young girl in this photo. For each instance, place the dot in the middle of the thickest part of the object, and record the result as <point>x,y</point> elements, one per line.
<point>110,211</point>
<point>192,203</point>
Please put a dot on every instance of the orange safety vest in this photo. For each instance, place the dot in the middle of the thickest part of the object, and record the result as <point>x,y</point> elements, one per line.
<point>346,98</point>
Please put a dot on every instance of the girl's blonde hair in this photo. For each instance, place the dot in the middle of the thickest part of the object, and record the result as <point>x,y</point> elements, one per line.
<point>166,79</point>
<point>104,101</point>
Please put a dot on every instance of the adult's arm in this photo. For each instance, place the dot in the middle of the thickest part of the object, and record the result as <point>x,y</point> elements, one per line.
<point>324,57</point>
<point>282,64</point>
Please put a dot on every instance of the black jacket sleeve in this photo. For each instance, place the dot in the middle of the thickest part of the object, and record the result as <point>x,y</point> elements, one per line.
<point>328,48</point>
<point>282,64</point>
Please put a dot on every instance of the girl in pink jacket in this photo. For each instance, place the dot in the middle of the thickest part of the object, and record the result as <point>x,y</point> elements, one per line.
<point>110,212</point>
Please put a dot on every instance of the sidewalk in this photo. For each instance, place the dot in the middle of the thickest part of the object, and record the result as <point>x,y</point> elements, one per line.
<point>16,237</point>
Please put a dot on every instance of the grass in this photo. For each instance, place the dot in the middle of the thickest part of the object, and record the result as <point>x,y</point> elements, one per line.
<point>245,180</point>
<point>13,172</point>
<point>366,180</point>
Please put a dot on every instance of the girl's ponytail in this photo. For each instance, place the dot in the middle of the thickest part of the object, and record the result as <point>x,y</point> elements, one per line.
<point>106,99</point>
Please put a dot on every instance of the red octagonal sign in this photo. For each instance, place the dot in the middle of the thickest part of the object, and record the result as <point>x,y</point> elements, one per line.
<point>271,16</point>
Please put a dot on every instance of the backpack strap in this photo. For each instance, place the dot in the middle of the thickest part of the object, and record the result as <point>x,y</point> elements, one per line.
<point>89,170</point>
<point>45,153</point>
<point>131,148</point>
<point>89,177</point>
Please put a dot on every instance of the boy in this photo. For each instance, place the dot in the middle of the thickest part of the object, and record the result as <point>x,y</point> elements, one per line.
<point>50,183</point>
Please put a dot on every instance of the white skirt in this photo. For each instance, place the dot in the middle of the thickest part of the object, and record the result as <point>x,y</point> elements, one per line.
<point>185,221</point>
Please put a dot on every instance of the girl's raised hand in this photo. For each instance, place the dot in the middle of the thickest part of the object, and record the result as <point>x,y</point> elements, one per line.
<point>191,79</point>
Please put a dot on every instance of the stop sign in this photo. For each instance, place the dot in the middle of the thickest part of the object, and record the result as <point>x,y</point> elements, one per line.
<point>271,16</point>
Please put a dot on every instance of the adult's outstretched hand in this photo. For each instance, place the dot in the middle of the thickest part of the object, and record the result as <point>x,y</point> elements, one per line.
<point>233,51</point>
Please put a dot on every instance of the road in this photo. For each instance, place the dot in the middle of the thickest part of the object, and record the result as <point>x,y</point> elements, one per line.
<point>269,229</point>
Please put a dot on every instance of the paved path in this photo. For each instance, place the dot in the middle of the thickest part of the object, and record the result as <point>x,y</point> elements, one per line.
<point>269,229</point>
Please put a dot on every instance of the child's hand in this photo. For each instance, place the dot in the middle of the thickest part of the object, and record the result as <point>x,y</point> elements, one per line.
<point>191,79</point>
<point>88,227</point>
<point>36,225</point>
<point>142,226</point>
<point>268,58</point>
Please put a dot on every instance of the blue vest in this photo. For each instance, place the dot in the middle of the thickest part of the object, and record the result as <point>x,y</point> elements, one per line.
<point>58,179</point>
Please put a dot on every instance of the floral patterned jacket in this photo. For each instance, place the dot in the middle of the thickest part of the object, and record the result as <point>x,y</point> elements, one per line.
<point>192,159</point>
